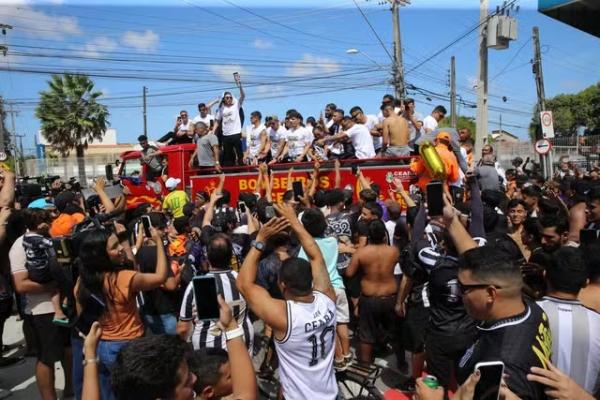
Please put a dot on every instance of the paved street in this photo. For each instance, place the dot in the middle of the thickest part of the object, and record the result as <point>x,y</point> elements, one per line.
<point>20,378</point>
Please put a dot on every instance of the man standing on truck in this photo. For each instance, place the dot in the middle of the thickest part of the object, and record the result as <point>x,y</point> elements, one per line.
<point>228,118</point>
<point>207,148</point>
<point>395,134</point>
<point>151,156</point>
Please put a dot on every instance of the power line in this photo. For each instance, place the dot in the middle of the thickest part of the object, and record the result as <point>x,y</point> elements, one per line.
<point>373,30</point>
<point>513,58</point>
<point>458,39</point>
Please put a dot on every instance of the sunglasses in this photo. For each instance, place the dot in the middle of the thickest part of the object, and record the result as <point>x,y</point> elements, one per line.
<point>465,288</point>
<point>354,117</point>
<point>227,97</point>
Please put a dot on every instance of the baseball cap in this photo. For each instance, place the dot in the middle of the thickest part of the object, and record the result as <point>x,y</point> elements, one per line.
<point>274,118</point>
<point>172,183</point>
<point>443,136</point>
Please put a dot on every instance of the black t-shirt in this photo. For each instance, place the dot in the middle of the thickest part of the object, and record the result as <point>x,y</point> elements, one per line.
<point>521,342</point>
<point>447,311</point>
<point>156,301</point>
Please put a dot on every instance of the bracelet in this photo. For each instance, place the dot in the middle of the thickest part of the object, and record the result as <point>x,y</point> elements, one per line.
<point>90,361</point>
<point>234,333</point>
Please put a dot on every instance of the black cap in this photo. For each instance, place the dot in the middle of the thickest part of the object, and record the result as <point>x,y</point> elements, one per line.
<point>63,199</point>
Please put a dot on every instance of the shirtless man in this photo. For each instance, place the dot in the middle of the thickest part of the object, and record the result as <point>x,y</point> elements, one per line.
<point>378,288</point>
<point>395,134</point>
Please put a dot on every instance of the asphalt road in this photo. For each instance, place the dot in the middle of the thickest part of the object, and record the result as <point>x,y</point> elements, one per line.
<point>20,378</point>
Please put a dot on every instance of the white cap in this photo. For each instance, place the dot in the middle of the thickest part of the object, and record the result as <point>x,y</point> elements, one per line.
<point>172,183</point>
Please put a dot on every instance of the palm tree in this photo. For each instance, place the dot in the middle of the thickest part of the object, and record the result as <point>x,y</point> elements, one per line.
<point>71,117</point>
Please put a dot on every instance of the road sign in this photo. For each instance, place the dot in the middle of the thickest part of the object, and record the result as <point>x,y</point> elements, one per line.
<point>543,147</point>
<point>547,124</point>
<point>3,156</point>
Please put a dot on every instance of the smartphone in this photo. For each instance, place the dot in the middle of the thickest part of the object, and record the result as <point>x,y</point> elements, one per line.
<point>242,207</point>
<point>269,212</point>
<point>488,387</point>
<point>435,201</point>
<point>147,225</point>
<point>298,190</point>
<point>236,76</point>
<point>354,169</point>
<point>92,311</point>
<point>205,293</point>
<point>588,236</point>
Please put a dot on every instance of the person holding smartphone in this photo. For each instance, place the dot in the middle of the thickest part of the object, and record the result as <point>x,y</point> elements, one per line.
<point>229,120</point>
<point>107,273</point>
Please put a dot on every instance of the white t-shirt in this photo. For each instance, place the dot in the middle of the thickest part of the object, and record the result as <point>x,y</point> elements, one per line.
<point>361,139</point>
<point>230,118</point>
<point>252,135</point>
<point>372,120</point>
<point>429,123</point>
<point>185,129</point>
<point>35,303</point>
<point>207,120</point>
<point>275,137</point>
<point>297,139</point>
<point>412,130</point>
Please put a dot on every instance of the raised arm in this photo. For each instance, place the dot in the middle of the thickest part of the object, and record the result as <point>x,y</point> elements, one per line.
<point>270,310</point>
<point>476,228</point>
<point>461,238</point>
<point>320,275</point>
<point>242,94</point>
<point>243,377</point>
<point>7,193</point>
<point>364,183</point>
<point>289,179</point>
<point>148,281</point>
<point>338,175</point>
<point>104,199</point>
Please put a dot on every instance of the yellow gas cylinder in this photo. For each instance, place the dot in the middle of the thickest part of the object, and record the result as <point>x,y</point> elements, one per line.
<point>432,160</point>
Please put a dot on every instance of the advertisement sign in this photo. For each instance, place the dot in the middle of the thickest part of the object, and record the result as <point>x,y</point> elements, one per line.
<point>247,182</point>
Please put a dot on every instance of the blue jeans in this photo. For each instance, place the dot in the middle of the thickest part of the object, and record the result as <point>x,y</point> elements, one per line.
<point>107,354</point>
<point>161,324</point>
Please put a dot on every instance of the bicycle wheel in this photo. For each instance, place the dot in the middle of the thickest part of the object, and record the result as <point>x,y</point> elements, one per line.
<point>354,389</point>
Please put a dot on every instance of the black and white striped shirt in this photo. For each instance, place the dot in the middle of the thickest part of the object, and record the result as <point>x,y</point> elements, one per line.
<point>204,334</point>
<point>575,340</point>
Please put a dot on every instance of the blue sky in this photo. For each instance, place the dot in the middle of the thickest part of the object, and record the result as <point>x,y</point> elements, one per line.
<point>290,54</point>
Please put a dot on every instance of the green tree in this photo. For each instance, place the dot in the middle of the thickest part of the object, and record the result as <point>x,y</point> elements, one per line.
<point>71,116</point>
<point>571,111</point>
<point>5,144</point>
<point>461,123</point>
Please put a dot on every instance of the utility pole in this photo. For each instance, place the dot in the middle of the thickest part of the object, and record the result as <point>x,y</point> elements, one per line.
<point>145,91</point>
<point>482,81</point>
<point>15,149</point>
<point>4,50</point>
<point>545,160</point>
<point>399,84</point>
<point>453,116</point>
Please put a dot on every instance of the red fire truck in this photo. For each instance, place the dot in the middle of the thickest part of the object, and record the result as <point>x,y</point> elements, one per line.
<point>244,179</point>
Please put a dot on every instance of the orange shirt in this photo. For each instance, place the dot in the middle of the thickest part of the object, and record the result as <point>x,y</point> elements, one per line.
<point>450,165</point>
<point>64,223</point>
<point>121,321</point>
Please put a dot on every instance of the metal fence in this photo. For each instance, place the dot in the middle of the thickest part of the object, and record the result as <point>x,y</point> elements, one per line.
<point>68,167</point>
<point>582,151</point>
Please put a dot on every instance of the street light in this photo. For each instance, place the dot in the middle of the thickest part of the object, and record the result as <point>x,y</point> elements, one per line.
<point>354,51</point>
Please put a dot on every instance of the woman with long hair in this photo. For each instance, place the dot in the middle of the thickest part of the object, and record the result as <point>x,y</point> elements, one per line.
<point>107,275</point>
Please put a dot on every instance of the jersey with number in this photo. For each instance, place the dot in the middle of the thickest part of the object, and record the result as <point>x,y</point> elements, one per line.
<point>307,350</point>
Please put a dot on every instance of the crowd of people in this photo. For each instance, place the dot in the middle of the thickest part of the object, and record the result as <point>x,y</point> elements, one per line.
<point>508,270</point>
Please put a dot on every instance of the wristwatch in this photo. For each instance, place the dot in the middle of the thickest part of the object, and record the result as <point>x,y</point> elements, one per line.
<point>260,246</point>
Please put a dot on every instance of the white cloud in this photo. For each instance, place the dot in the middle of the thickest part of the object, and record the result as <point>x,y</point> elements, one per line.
<point>146,41</point>
<point>99,45</point>
<point>262,44</point>
<point>270,90</point>
<point>35,23</point>
<point>311,65</point>
<point>225,72</point>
